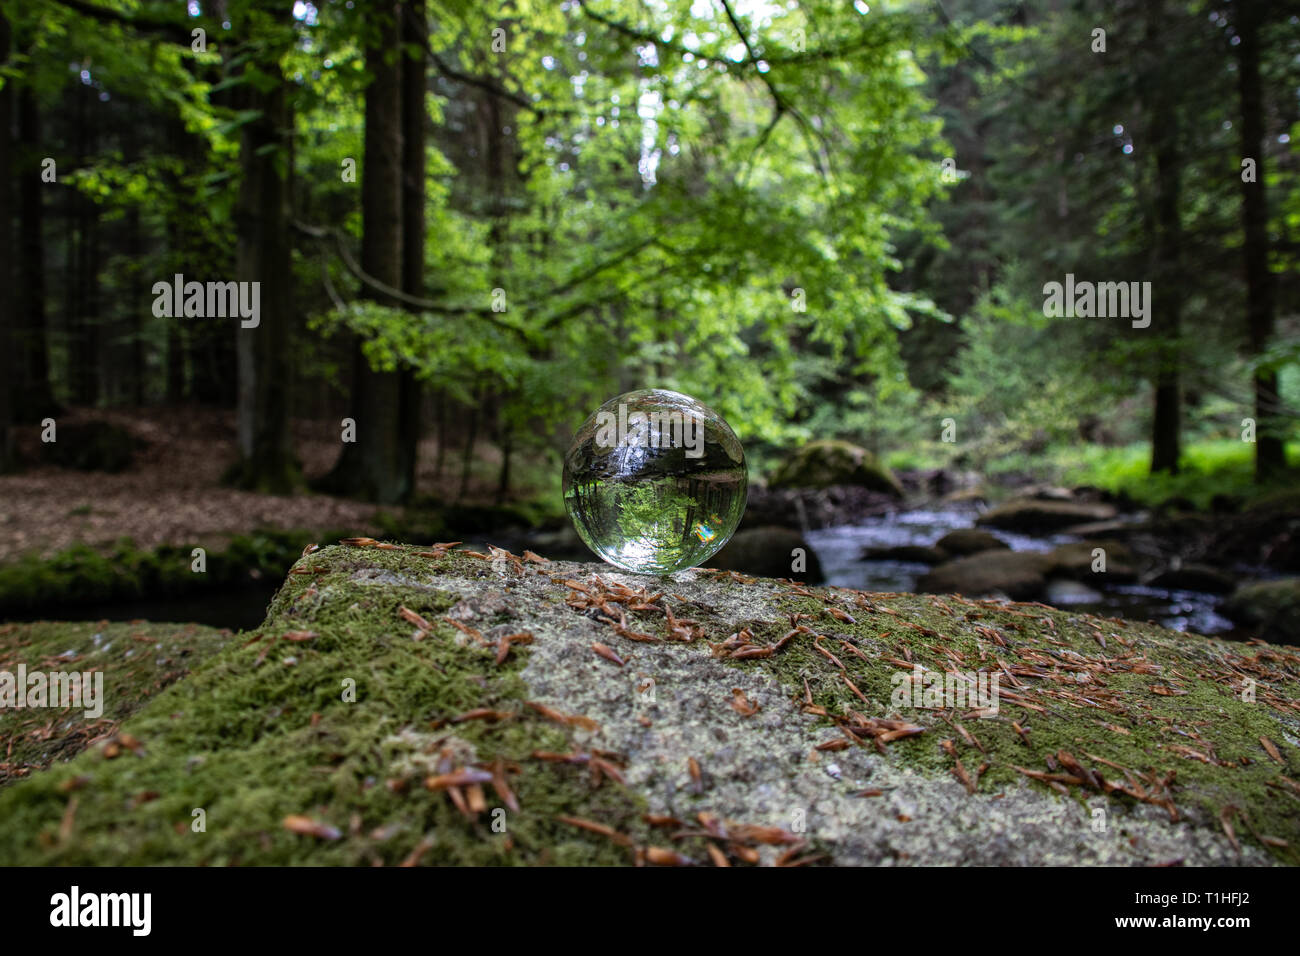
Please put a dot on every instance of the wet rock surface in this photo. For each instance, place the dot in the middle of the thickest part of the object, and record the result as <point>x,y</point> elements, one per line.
<point>770,551</point>
<point>1039,515</point>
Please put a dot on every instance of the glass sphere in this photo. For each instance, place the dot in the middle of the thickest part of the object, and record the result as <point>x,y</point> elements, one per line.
<point>655,481</point>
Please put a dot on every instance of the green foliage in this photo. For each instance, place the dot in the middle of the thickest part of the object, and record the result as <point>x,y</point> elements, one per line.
<point>1211,468</point>
<point>750,210</point>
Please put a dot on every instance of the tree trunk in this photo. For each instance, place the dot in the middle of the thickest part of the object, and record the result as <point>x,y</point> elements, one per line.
<point>32,397</point>
<point>139,289</point>
<point>262,221</point>
<point>467,457</point>
<point>1270,452</point>
<point>415,41</point>
<point>373,466</point>
<point>81,281</point>
<point>6,256</point>
<point>1166,426</point>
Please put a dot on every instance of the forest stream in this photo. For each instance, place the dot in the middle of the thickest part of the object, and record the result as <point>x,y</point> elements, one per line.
<point>839,550</point>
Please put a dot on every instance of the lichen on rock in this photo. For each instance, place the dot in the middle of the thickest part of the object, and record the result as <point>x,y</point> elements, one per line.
<point>512,710</point>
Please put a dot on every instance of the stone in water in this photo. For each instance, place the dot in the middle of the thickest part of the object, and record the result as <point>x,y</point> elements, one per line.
<point>655,481</point>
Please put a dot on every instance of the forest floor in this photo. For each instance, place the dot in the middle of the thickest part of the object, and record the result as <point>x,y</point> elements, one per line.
<point>172,493</point>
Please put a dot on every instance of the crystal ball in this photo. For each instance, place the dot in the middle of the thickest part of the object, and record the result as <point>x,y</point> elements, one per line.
<point>655,481</point>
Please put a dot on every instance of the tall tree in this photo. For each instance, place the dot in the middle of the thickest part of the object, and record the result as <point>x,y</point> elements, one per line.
<point>1270,451</point>
<point>415,124</point>
<point>32,395</point>
<point>374,466</point>
<point>262,219</point>
<point>1161,109</point>
<point>6,252</point>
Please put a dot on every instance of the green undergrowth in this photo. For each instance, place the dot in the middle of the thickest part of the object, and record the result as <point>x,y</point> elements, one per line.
<point>262,732</point>
<point>1207,469</point>
<point>138,659</point>
<point>122,571</point>
<point>1136,727</point>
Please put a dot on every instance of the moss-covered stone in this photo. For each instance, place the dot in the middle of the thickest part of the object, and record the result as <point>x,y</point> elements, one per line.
<point>963,541</point>
<point>85,575</point>
<point>1078,560</point>
<point>137,658</point>
<point>91,446</point>
<point>821,464</point>
<point>769,550</point>
<point>1195,577</point>
<point>678,720</point>
<point>1041,516</point>
<point>1271,607</point>
<point>1017,574</point>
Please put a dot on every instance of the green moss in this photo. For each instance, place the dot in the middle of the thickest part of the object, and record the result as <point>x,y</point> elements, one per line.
<point>1210,718</point>
<point>138,659</point>
<point>261,732</point>
<point>85,575</point>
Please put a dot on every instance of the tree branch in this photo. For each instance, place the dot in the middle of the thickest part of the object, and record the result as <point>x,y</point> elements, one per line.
<point>431,305</point>
<point>175,31</point>
<point>485,84</point>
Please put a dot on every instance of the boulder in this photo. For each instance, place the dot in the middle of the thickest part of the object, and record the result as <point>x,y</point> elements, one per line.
<point>1272,608</point>
<point>1021,575</point>
<point>1077,559</point>
<point>820,464</point>
<point>113,649</point>
<point>91,446</point>
<point>398,701</point>
<point>815,507</point>
<point>1044,516</point>
<point>769,551</point>
<point>966,541</point>
<point>966,496</point>
<point>1195,577</point>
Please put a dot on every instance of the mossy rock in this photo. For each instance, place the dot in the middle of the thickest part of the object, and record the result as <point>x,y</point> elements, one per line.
<point>85,575</point>
<point>91,446</point>
<point>1017,574</point>
<point>719,732</point>
<point>1077,559</point>
<point>964,541</point>
<point>770,551</point>
<point>1043,516</point>
<point>821,464</point>
<point>137,658</point>
<point>1271,607</point>
<point>1195,577</point>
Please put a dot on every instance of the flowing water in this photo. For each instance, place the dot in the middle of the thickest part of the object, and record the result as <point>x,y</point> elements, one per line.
<point>840,549</point>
